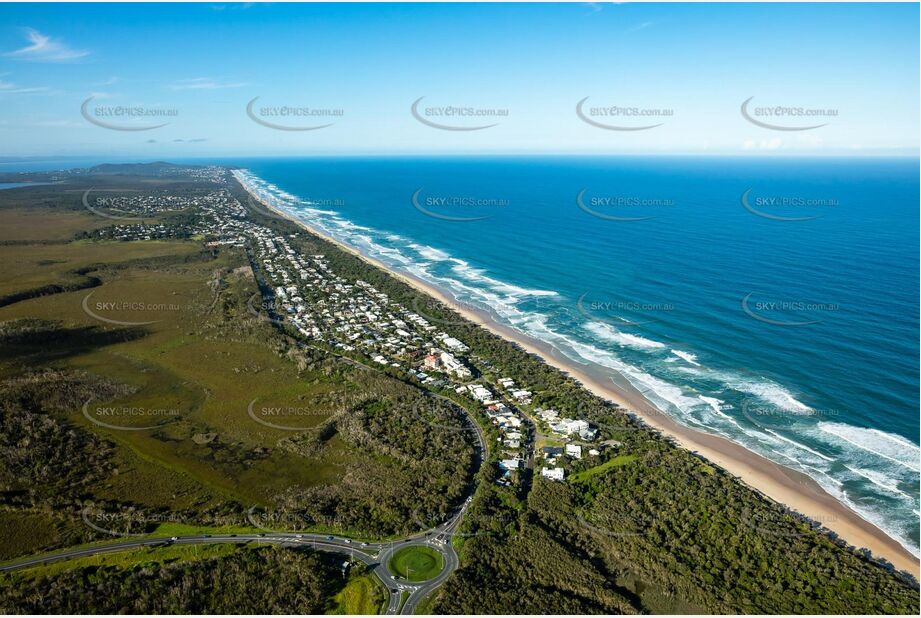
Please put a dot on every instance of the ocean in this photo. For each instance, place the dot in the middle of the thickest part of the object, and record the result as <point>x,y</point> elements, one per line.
<point>770,301</point>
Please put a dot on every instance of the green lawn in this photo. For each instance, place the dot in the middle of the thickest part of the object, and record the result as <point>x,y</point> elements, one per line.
<point>614,462</point>
<point>417,563</point>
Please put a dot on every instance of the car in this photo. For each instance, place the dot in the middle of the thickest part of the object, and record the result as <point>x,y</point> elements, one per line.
<point>364,544</point>
<point>298,536</point>
<point>262,534</point>
<point>330,538</point>
<point>394,590</point>
<point>347,540</point>
<point>174,538</point>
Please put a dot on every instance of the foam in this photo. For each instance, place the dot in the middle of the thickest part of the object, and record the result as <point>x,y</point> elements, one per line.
<point>766,390</point>
<point>430,253</point>
<point>876,442</point>
<point>609,333</point>
<point>799,445</point>
<point>880,480</point>
<point>691,358</point>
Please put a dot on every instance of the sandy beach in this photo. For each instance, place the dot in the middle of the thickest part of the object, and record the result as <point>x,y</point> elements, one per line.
<point>783,485</point>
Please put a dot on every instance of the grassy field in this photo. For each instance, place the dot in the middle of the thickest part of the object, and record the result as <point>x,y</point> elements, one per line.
<point>36,265</point>
<point>417,563</point>
<point>187,381</point>
<point>27,224</point>
<point>167,325</point>
<point>362,595</point>
<point>614,462</point>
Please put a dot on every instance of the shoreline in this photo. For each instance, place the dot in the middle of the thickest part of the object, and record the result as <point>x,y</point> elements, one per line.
<point>794,490</point>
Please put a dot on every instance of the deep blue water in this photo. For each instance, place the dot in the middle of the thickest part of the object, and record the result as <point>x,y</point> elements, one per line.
<point>771,301</point>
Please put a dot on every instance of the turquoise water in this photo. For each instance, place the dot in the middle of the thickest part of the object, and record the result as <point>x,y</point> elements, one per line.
<point>773,302</point>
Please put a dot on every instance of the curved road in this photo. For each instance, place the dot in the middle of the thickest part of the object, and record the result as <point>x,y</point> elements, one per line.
<point>375,555</point>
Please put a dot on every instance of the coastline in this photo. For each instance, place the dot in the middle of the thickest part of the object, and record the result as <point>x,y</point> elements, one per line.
<point>788,487</point>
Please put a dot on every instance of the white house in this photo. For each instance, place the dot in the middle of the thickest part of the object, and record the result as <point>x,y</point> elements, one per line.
<point>555,474</point>
<point>510,464</point>
<point>574,451</point>
<point>454,344</point>
<point>522,395</point>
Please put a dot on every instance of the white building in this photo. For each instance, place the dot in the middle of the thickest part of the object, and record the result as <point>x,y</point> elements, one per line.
<point>510,464</point>
<point>574,451</point>
<point>454,344</point>
<point>522,395</point>
<point>554,474</point>
<point>480,393</point>
<point>549,415</point>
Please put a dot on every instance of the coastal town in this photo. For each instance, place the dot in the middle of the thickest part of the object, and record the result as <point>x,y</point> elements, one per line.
<point>353,318</point>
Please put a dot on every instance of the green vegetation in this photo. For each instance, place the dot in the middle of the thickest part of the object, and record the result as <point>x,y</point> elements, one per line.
<point>194,358</point>
<point>219,579</point>
<point>423,607</point>
<point>125,559</point>
<point>651,528</point>
<point>417,563</point>
<point>614,462</point>
<point>363,594</point>
<point>25,532</point>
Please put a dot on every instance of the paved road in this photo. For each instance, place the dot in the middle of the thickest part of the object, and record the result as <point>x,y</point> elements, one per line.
<point>375,555</point>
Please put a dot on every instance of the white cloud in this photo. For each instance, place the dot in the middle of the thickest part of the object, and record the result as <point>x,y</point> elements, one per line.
<point>204,83</point>
<point>11,88</point>
<point>641,26</point>
<point>43,48</point>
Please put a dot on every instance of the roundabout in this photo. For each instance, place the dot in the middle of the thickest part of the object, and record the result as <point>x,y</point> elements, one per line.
<point>416,563</point>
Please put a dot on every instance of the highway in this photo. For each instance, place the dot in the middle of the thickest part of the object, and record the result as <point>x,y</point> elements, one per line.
<point>376,555</point>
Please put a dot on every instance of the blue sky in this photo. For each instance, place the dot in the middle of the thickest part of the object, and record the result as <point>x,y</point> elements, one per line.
<point>200,65</point>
